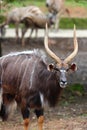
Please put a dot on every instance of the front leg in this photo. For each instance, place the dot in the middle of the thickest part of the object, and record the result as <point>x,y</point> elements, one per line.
<point>25,114</point>
<point>17,31</point>
<point>58,19</point>
<point>39,114</point>
<point>24,30</point>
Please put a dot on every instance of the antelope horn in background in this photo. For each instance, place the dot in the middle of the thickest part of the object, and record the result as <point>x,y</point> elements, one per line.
<point>47,48</point>
<point>73,54</point>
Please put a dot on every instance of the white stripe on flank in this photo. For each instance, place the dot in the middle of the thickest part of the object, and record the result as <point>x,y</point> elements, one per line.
<point>1,100</point>
<point>24,74</point>
<point>32,73</point>
<point>44,102</point>
<point>17,60</point>
<point>20,69</point>
<point>42,99</point>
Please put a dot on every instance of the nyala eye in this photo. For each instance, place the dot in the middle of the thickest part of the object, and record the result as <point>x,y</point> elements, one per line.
<point>67,70</point>
<point>57,69</point>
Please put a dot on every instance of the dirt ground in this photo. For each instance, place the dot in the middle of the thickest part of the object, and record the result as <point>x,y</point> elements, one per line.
<point>69,114</point>
<point>66,116</point>
<point>78,12</point>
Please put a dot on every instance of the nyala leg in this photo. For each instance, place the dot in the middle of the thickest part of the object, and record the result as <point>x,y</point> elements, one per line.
<point>39,114</point>
<point>25,114</point>
<point>3,113</point>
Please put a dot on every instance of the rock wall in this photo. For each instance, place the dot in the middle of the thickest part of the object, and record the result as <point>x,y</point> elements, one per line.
<point>62,47</point>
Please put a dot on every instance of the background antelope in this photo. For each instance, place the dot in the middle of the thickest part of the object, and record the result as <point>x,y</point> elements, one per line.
<point>14,17</point>
<point>27,79</point>
<point>57,8</point>
<point>31,17</point>
<point>35,19</point>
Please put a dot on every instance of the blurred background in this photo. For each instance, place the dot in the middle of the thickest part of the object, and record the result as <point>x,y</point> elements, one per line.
<point>77,8</point>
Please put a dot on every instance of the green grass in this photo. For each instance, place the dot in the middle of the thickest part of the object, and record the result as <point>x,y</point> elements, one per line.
<point>2,18</point>
<point>72,92</point>
<point>20,3</point>
<point>66,23</point>
<point>80,3</point>
<point>77,87</point>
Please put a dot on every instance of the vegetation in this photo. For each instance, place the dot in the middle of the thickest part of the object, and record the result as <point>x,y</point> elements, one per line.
<point>42,2</point>
<point>77,89</point>
<point>67,23</point>
<point>81,3</point>
<point>72,92</point>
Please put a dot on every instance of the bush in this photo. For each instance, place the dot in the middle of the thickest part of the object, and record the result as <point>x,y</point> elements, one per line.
<point>77,89</point>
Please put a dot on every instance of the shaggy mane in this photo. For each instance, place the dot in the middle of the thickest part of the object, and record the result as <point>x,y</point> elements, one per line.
<point>36,52</point>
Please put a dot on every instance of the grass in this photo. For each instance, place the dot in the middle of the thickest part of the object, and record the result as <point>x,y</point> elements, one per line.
<point>26,3</point>
<point>2,18</point>
<point>20,3</point>
<point>80,3</point>
<point>42,2</point>
<point>77,87</point>
<point>67,23</point>
<point>72,92</point>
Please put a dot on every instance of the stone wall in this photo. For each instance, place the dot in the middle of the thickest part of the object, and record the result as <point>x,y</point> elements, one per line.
<point>62,47</point>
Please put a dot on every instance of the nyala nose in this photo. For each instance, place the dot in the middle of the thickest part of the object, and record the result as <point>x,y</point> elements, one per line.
<point>63,82</point>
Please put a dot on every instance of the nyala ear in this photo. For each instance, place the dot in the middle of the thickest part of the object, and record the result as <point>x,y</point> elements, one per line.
<point>73,67</point>
<point>50,67</point>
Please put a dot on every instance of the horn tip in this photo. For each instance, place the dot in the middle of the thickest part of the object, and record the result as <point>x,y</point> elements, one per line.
<point>46,25</point>
<point>74,30</point>
<point>74,27</point>
<point>46,29</point>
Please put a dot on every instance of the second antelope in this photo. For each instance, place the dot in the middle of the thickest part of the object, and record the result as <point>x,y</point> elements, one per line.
<point>31,17</point>
<point>57,8</point>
